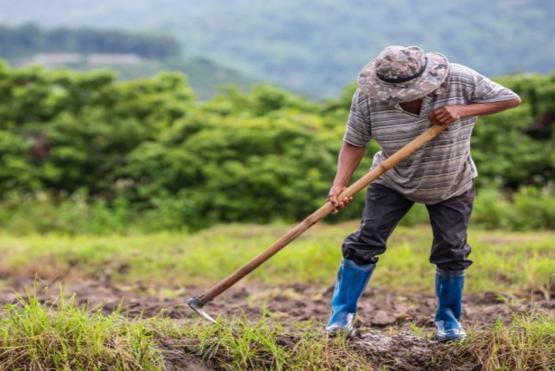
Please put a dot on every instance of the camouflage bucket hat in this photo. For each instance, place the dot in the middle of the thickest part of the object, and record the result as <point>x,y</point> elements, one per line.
<point>402,74</point>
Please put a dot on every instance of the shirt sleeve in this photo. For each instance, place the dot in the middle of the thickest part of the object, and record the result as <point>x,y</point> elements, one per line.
<point>486,91</point>
<point>358,131</point>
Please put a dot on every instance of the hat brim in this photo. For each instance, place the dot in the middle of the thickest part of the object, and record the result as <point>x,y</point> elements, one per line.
<point>433,76</point>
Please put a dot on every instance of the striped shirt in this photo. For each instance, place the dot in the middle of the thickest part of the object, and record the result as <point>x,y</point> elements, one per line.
<point>441,169</point>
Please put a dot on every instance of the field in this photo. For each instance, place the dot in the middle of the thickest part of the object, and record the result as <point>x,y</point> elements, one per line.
<point>117,302</point>
<point>120,199</point>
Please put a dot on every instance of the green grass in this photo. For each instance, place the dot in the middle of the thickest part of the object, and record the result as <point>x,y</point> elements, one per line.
<point>528,343</point>
<point>266,344</point>
<point>65,337</point>
<point>503,261</point>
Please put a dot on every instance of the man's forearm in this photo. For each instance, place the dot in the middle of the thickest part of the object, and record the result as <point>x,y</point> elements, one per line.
<point>448,114</point>
<point>480,109</point>
<point>349,158</point>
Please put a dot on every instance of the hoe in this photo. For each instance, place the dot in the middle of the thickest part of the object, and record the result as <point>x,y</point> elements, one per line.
<point>198,302</point>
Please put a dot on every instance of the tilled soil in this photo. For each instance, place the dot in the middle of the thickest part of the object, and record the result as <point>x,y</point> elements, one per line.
<point>384,318</point>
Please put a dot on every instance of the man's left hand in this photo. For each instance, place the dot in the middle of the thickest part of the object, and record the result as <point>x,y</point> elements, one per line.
<point>446,115</point>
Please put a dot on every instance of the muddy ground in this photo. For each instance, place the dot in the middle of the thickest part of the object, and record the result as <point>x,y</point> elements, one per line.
<point>385,318</point>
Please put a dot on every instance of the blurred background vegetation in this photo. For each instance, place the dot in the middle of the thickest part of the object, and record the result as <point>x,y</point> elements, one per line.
<point>130,54</point>
<point>86,152</point>
<point>247,125</point>
<point>315,46</point>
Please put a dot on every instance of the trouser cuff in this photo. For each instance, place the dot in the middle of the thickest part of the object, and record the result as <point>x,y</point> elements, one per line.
<point>450,273</point>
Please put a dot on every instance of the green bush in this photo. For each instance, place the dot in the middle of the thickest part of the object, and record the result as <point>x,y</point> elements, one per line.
<point>113,153</point>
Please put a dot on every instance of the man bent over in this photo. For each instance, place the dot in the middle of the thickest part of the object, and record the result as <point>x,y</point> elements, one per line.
<point>400,94</point>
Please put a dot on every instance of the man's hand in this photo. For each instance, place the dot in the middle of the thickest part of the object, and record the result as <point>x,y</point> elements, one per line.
<point>333,197</point>
<point>446,115</point>
<point>349,158</point>
<point>449,114</point>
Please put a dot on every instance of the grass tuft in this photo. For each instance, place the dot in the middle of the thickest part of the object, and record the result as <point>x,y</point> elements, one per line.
<point>65,337</point>
<point>34,336</point>
<point>527,343</point>
<point>267,345</point>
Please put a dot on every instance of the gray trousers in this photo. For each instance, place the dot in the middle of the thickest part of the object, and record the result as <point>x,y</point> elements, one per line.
<point>384,209</point>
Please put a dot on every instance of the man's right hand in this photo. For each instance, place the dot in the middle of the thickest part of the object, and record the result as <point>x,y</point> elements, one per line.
<point>333,197</point>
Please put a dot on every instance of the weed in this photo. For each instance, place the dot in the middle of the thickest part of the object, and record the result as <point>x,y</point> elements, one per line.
<point>527,343</point>
<point>266,344</point>
<point>65,337</point>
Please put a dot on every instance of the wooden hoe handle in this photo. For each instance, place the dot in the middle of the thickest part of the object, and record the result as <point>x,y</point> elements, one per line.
<point>318,215</point>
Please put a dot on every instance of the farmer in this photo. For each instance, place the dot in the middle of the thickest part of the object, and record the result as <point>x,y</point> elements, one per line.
<point>400,94</point>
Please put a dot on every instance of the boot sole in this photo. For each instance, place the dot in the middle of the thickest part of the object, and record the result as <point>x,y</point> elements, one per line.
<point>342,332</point>
<point>446,339</point>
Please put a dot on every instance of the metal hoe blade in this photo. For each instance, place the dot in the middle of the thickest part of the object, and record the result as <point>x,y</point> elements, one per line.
<point>196,305</point>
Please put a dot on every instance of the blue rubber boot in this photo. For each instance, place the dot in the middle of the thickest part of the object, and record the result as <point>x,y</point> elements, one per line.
<point>351,281</point>
<point>449,289</point>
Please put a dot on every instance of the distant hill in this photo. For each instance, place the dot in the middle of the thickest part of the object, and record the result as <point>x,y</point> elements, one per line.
<point>205,77</point>
<point>29,39</point>
<point>318,46</point>
<point>130,54</point>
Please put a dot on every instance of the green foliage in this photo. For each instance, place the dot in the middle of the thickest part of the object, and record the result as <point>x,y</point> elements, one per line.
<point>517,147</point>
<point>147,150</point>
<point>74,131</point>
<point>529,208</point>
